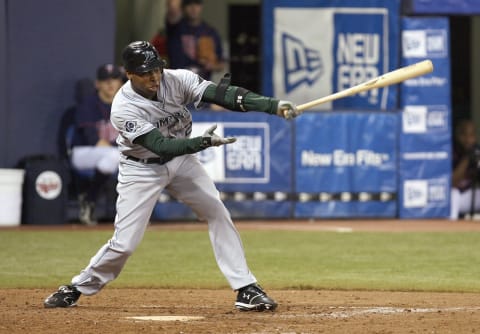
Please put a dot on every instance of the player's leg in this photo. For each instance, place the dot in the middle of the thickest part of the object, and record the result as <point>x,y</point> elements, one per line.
<point>477,201</point>
<point>105,158</point>
<point>454,203</point>
<point>138,190</point>
<point>192,186</point>
<point>461,201</point>
<point>104,161</point>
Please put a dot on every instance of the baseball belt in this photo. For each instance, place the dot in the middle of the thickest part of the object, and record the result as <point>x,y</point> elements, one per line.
<point>158,160</point>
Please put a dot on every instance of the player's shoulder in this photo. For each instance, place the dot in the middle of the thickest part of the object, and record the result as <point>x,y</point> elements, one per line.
<point>207,28</point>
<point>177,73</point>
<point>179,76</point>
<point>123,92</point>
<point>90,99</point>
<point>125,95</point>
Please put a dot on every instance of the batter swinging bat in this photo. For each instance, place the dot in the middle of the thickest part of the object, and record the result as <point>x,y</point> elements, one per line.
<point>387,79</point>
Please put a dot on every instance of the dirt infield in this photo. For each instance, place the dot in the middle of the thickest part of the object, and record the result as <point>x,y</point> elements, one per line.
<point>304,311</point>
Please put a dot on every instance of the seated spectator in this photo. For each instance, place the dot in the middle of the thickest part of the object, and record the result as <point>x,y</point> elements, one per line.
<point>94,144</point>
<point>465,196</point>
<point>191,42</point>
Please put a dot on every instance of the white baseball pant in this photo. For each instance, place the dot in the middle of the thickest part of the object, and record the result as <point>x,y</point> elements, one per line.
<point>139,186</point>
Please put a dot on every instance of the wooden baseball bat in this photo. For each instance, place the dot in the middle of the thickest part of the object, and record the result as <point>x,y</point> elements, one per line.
<point>386,79</point>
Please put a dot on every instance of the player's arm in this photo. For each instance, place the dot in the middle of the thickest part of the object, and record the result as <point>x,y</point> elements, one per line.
<point>240,99</point>
<point>163,146</point>
<point>459,172</point>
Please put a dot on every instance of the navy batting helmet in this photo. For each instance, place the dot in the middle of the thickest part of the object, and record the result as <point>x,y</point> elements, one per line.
<point>141,57</point>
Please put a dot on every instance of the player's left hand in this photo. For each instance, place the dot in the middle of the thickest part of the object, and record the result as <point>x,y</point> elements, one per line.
<point>212,139</point>
<point>287,109</point>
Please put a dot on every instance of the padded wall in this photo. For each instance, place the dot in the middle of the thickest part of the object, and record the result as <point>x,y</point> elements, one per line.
<point>3,81</point>
<point>49,44</point>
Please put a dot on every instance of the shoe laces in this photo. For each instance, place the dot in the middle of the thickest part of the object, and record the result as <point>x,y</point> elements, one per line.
<point>255,287</point>
<point>67,289</point>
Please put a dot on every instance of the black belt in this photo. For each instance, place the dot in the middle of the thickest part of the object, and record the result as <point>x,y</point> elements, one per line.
<point>158,160</point>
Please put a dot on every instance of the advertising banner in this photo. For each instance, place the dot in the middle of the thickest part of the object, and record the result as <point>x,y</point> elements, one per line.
<point>425,134</point>
<point>253,175</point>
<point>315,48</point>
<point>449,7</point>
<point>346,164</point>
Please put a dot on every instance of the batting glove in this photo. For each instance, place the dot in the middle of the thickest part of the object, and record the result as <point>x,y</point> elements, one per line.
<point>209,138</point>
<point>287,109</point>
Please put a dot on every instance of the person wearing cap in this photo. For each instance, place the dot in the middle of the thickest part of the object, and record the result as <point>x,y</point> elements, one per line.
<point>191,42</point>
<point>94,146</point>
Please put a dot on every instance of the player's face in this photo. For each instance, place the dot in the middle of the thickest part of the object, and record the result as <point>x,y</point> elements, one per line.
<point>146,84</point>
<point>193,12</point>
<point>467,137</point>
<point>108,88</point>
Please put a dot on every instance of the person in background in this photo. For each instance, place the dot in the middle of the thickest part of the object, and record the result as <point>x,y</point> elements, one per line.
<point>94,144</point>
<point>191,42</point>
<point>465,196</point>
<point>159,41</point>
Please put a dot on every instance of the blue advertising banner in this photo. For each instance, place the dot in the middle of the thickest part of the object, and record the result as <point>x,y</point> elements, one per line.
<point>346,164</point>
<point>449,7</point>
<point>315,48</point>
<point>257,161</point>
<point>253,175</point>
<point>425,134</point>
<point>426,38</point>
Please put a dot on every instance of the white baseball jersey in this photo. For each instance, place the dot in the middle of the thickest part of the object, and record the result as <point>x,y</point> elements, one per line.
<point>134,115</point>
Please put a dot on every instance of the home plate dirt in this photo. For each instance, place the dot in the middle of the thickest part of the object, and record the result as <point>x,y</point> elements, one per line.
<point>166,318</point>
<point>299,311</point>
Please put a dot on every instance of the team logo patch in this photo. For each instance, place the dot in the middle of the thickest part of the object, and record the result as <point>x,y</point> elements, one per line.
<point>130,126</point>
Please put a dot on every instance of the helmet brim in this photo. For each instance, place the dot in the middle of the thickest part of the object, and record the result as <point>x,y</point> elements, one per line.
<point>144,68</point>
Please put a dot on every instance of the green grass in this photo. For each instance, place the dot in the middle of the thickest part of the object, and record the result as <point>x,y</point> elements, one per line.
<point>279,259</point>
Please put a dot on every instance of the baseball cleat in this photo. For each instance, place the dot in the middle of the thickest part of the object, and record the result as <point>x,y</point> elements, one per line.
<point>66,296</point>
<point>253,298</point>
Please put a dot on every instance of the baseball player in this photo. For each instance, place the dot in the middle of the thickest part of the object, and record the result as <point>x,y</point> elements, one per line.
<point>154,126</point>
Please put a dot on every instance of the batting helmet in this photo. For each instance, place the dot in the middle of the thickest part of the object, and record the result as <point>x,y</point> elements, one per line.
<point>141,57</point>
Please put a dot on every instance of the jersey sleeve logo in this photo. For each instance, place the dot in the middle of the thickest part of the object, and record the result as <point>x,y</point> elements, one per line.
<point>130,126</point>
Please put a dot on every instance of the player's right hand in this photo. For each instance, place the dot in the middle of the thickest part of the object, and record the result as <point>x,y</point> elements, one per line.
<point>287,109</point>
<point>209,138</point>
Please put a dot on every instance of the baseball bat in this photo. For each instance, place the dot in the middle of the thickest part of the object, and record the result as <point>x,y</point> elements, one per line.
<point>386,79</point>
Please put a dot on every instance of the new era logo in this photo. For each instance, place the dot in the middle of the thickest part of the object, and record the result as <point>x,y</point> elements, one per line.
<point>415,119</point>
<point>424,43</point>
<point>415,193</point>
<point>301,64</point>
<point>423,119</point>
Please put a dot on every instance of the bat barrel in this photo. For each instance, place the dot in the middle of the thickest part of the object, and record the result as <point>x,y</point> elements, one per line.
<point>387,79</point>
